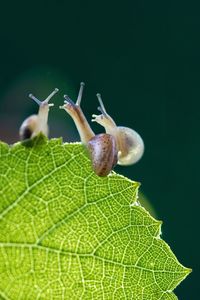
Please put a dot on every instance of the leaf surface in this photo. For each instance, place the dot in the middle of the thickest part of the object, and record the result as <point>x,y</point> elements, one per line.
<point>66,233</point>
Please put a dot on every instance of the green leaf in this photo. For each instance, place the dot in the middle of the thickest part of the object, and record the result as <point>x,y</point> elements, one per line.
<point>66,233</point>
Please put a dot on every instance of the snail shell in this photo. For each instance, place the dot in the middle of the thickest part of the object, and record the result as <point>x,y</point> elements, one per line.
<point>31,127</point>
<point>131,143</point>
<point>103,152</point>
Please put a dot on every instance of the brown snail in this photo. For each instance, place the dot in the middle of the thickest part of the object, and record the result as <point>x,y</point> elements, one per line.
<point>118,145</point>
<point>102,147</point>
<point>37,123</point>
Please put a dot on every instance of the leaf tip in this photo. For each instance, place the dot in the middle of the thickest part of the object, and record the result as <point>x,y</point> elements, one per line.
<point>188,271</point>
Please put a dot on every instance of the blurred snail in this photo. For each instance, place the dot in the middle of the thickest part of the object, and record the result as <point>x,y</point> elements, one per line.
<point>37,123</point>
<point>102,147</point>
<point>118,145</point>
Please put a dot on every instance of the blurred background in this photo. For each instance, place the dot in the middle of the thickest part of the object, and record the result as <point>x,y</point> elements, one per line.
<point>144,58</point>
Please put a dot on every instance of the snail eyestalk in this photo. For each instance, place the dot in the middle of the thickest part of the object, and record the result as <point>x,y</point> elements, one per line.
<point>51,95</point>
<point>35,99</point>
<point>101,108</point>
<point>46,100</point>
<point>68,100</point>
<point>80,94</point>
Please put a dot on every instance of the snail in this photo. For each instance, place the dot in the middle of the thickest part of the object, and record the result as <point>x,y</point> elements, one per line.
<point>102,147</point>
<point>129,143</point>
<point>37,123</point>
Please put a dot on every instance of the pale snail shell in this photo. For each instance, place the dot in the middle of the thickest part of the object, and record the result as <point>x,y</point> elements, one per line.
<point>120,145</point>
<point>37,123</point>
<point>134,146</point>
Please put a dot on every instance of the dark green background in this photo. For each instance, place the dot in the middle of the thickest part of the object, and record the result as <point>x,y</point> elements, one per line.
<point>144,57</point>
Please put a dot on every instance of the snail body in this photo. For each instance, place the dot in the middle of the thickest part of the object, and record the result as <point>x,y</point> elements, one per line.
<point>102,147</point>
<point>35,124</point>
